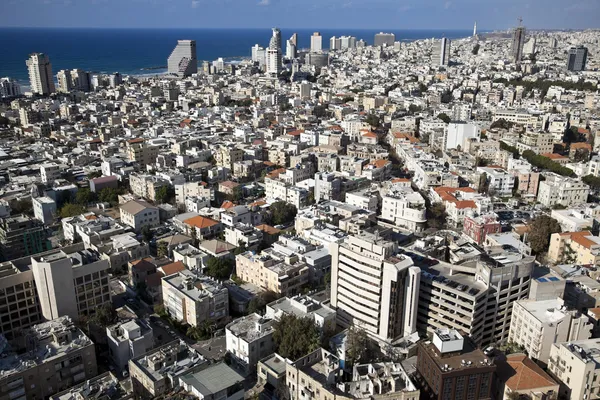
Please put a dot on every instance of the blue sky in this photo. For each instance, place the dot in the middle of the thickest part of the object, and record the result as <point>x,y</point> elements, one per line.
<point>357,14</point>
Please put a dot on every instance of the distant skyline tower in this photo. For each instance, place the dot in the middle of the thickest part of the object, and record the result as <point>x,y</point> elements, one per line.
<point>577,58</point>
<point>440,55</point>
<point>40,74</point>
<point>9,87</point>
<point>273,54</point>
<point>384,39</point>
<point>294,39</point>
<point>182,61</point>
<point>335,43</point>
<point>291,47</point>
<point>475,29</point>
<point>316,42</point>
<point>518,43</point>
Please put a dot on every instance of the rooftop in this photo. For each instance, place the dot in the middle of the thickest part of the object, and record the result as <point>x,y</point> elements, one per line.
<point>175,358</point>
<point>195,287</point>
<point>251,327</point>
<point>214,379</point>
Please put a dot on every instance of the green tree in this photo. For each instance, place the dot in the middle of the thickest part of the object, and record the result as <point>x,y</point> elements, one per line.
<point>502,124</point>
<point>22,206</point>
<point>108,195</point>
<point>446,97</point>
<point>94,174</point>
<point>359,348</point>
<point>282,213</point>
<point>511,348</point>
<point>444,117</point>
<point>162,249</point>
<point>84,196</point>
<point>540,230</point>
<point>219,267</point>
<point>147,233</point>
<point>413,108</point>
<point>104,316</point>
<point>71,210</point>
<point>373,120</point>
<point>295,337</point>
<point>436,216</point>
<point>475,50</point>
<point>164,194</point>
<point>260,301</point>
<point>592,180</point>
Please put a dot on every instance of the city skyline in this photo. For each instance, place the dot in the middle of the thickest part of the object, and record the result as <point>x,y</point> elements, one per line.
<point>338,14</point>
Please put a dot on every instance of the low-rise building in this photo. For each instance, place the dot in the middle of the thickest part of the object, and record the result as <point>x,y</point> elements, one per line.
<point>536,325</point>
<point>249,339</point>
<point>44,209</point>
<point>574,248</point>
<point>157,372</point>
<point>218,381</point>
<point>128,340</point>
<point>194,300</point>
<point>316,374</point>
<point>576,365</point>
<point>367,378</point>
<point>558,190</point>
<point>105,386</point>
<point>302,306</point>
<point>519,374</point>
<point>138,214</point>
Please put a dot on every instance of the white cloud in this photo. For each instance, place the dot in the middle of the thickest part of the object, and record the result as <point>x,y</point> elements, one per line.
<point>195,3</point>
<point>447,5</point>
<point>264,3</point>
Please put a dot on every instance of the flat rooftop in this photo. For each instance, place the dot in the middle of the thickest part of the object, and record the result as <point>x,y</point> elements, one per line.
<point>546,311</point>
<point>469,357</point>
<point>213,379</point>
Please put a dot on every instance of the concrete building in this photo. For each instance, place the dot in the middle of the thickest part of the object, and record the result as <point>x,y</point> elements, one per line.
<point>195,300</point>
<point>105,386</point>
<point>518,41</point>
<point>9,88</point>
<point>158,371</point>
<point>22,236</point>
<point>44,209</point>
<point>404,207</point>
<point>249,339</point>
<point>182,61</point>
<point>519,374</point>
<point>581,248</point>
<point>384,39</point>
<point>576,365</point>
<point>577,58</point>
<point>302,306</point>
<point>140,152</point>
<point>218,381</point>
<point>70,281</point>
<point>367,378</point>
<point>536,325</point>
<point>317,372</point>
<point>138,214</point>
<point>560,190</point>
<point>128,340</point>
<point>103,182</point>
<point>440,55</point>
<point>41,79</point>
<point>328,186</point>
<point>50,357</point>
<point>373,287</point>
<point>452,368</point>
<point>50,172</point>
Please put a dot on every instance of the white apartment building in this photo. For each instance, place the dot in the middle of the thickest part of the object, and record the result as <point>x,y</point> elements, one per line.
<point>44,209</point>
<point>40,74</point>
<point>138,214</point>
<point>538,142</point>
<point>49,172</point>
<point>366,277</point>
<point>577,366</point>
<point>194,300</point>
<point>192,189</point>
<point>302,306</point>
<point>70,281</point>
<point>365,199</point>
<point>499,180</point>
<point>127,340</point>
<point>249,339</point>
<point>404,207</point>
<point>457,133</point>
<point>316,42</point>
<point>182,61</point>
<point>537,325</point>
<point>567,192</point>
<point>578,218</point>
<point>327,186</point>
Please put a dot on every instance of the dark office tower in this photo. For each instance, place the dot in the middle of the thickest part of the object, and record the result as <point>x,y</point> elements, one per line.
<point>577,58</point>
<point>518,43</point>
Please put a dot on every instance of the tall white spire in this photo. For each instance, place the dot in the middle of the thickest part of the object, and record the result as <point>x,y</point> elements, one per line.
<point>475,29</point>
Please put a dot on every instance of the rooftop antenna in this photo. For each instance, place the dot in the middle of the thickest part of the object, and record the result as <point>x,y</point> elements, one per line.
<point>520,19</point>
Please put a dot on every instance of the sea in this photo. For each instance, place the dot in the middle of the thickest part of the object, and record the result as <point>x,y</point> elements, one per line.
<point>145,51</point>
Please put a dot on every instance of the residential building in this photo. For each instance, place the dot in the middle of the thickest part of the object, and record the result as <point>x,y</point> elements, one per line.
<point>70,281</point>
<point>44,209</point>
<point>374,287</point>
<point>302,306</point>
<point>366,378</point>
<point>536,325</point>
<point>50,172</point>
<point>327,186</point>
<point>519,374</point>
<point>128,340</point>
<point>558,190</point>
<point>283,274</point>
<point>48,358</point>
<point>249,339</point>
<point>195,300</point>
<point>271,374</point>
<point>316,42</point>
<point>403,207</point>
<point>41,79</point>
<point>182,61</point>
<point>105,386</point>
<point>140,152</point>
<point>104,182</point>
<point>477,227</point>
<point>138,214</point>
<point>157,372</point>
<point>218,381</point>
<point>498,180</point>
<point>384,39</point>
<point>576,365</point>
<point>581,248</point>
<point>316,372</point>
<point>453,368</point>
<point>9,88</point>
<point>22,236</point>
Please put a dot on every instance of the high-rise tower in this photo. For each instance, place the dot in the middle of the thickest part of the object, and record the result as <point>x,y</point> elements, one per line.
<point>441,52</point>
<point>518,43</point>
<point>40,74</point>
<point>182,61</point>
<point>273,54</point>
<point>475,29</point>
<point>316,42</point>
<point>291,47</point>
<point>577,58</point>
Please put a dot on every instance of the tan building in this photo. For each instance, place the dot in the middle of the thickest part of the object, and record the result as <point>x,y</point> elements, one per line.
<point>226,156</point>
<point>51,357</point>
<point>536,325</point>
<point>138,214</point>
<point>577,367</point>
<point>560,190</point>
<point>193,300</point>
<point>314,376</point>
<point>519,374</point>
<point>284,275</point>
<point>574,248</point>
<point>140,152</point>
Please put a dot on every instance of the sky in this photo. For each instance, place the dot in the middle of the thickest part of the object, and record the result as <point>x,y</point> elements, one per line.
<point>356,14</point>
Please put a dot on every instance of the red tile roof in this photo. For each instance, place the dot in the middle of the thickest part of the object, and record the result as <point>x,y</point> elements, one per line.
<point>200,222</point>
<point>172,268</point>
<point>523,374</point>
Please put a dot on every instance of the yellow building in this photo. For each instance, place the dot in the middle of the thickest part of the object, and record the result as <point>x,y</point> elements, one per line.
<point>574,248</point>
